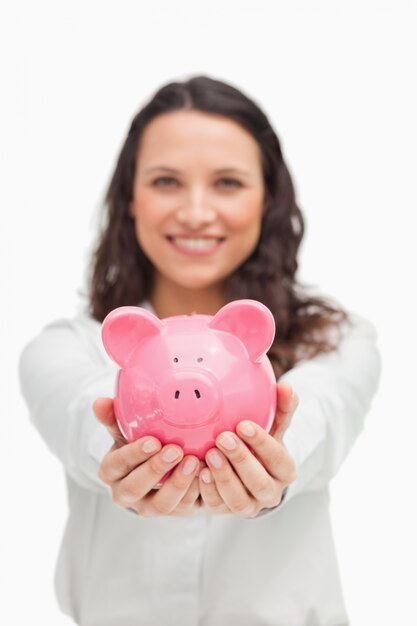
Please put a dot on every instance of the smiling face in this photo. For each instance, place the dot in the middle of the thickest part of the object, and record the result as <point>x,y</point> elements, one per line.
<point>198,179</point>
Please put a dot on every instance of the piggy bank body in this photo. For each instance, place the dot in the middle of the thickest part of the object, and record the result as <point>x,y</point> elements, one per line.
<point>185,379</point>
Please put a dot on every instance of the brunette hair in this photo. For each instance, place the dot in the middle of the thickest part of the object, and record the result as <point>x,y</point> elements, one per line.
<point>121,274</point>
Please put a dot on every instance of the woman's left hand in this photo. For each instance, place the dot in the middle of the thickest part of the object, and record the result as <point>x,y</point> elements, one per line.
<point>240,481</point>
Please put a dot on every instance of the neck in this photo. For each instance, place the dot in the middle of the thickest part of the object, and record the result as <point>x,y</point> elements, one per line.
<point>170,299</point>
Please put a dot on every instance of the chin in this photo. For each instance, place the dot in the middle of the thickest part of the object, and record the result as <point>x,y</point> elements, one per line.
<point>196,282</point>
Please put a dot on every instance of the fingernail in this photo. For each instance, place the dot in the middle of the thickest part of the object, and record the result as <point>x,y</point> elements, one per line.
<point>170,454</point>
<point>247,429</point>
<point>227,441</point>
<point>189,466</point>
<point>215,459</point>
<point>206,477</point>
<point>149,446</point>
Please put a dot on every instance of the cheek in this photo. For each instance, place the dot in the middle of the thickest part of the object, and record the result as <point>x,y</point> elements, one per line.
<point>147,200</point>
<point>147,212</point>
<point>244,239</point>
<point>247,218</point>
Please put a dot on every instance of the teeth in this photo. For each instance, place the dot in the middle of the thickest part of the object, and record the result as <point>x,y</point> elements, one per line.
<point>196,244</point>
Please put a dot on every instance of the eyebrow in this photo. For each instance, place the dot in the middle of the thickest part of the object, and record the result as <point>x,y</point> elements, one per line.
<point>223,170</point>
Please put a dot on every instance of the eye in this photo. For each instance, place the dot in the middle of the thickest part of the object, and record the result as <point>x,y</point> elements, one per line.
<point>175,359</point>
<point>200,358</point>
<point>163,181</point>
<point>230,182</point>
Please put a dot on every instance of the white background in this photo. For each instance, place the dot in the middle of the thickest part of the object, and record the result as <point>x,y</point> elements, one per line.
<point>336,80</point>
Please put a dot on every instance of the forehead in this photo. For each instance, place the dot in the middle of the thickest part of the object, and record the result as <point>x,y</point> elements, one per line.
<point>195,134</point>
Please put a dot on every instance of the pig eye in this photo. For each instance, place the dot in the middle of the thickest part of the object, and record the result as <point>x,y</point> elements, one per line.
<point>175,359</point>
<point>200,358</point>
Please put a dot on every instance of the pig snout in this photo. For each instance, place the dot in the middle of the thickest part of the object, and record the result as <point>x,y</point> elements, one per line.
<point>189,398</point>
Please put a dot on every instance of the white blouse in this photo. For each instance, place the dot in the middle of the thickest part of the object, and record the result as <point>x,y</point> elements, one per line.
<point>118,569</point>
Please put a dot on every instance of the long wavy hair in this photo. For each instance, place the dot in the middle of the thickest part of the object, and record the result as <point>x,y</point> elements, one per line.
<point>121,274</point>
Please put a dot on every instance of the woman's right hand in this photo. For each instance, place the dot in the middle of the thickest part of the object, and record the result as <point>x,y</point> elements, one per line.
<point>132,470</point>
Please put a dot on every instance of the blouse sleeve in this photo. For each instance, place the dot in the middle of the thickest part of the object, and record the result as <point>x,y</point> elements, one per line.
<point>61,373</point>
<point>335,392</point>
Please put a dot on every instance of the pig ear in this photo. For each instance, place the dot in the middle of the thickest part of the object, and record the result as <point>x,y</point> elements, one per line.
<point>249,320</point>
<point>125,327</point>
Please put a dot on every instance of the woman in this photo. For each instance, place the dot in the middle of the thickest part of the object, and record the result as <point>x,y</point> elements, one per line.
<point>202,211</point>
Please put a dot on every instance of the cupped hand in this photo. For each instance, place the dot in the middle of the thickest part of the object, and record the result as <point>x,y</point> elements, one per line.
<point>250,470</point>
<point>133,470</point>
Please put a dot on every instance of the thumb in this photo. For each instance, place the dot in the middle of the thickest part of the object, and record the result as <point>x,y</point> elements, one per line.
<point>104,411</point>
<point>287,402</point>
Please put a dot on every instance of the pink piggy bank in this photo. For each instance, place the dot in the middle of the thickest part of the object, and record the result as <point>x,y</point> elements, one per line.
<point>185,379</point>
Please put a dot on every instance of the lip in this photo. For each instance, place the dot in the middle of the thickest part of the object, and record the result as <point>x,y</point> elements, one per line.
<point>188,251</point>
<point>195,236</point>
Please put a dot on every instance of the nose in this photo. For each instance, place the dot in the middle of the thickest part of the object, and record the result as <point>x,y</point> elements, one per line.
<point>196,211</point>
<point>189,398</point>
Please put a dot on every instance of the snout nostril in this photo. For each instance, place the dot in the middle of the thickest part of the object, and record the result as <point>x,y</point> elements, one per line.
<point>197,393</point>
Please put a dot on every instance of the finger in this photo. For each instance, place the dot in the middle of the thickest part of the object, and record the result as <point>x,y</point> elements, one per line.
<point>120,461</point>
<point>192,495</point>
<point>189,504</point>
<point>251,471</point>
<point>104,411</point>
<point>143,478</point>
<point>167,498</point>
<point>287,399</point>
<point>211,499</point>
<point>229,484</point>
<point>284,395</point>
<point>270,453</point>
<point>287,402</point>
